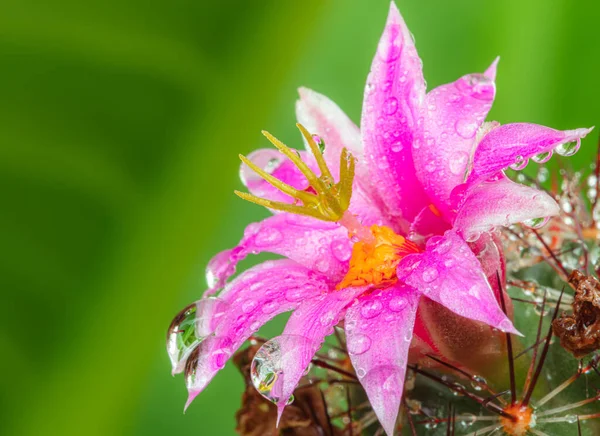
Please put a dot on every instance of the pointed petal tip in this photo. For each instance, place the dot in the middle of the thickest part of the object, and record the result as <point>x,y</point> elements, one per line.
<point>191,396</point>
<point>491,71</point>
<point>280,409</point>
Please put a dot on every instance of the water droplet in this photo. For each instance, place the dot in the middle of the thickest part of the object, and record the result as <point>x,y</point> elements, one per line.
<point>397,147</point>
<point>474,292</point>
<point>520,163</point>
<point>219,268</point>
<point>397,303</point>
<point>371,308</point>
<point>568,148</point>
<point>290,400</point>
<point>294,294</point>
<point>390,46</point>
<point>542,157</point>
<point>466,128</point>
<point>249,305</point>
<point>458,162</point>
<point>267,369</point>
<point>341,249</point>
<point>360,372</point>
<point>327,318</point>
<point>270,307</point>
<point>571,419</point>
<point>408,336</point>
<point>472,236</point>
<point>430,274</point>
<point>478,383</point>
<point>359,344</point>
<point>267,237</point>
<point>391,106</point>
<point>430,166</point>
<point>322,264</point>
<point>536,223</point>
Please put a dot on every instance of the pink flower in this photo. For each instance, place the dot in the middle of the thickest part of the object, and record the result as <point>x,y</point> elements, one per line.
<point>421,180</point>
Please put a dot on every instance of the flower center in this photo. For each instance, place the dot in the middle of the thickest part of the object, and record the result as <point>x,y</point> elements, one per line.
<point>524,419</point>
<point>375,262</point>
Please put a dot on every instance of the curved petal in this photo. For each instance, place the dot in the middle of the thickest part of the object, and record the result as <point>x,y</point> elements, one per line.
<point>429,222</point>
<point>279,166</point>
<point>323,117</point>
<point>501,202</point>
<point>318,245</point>
<point>302,337</point>
<point>453,114</point>
<point>254,297</point>
<point>378,332</point>
<point>512,143</point>
<point>393,96</point>
<point>449,273</point>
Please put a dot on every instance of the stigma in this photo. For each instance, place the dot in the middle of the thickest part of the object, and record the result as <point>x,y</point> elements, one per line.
<point>375,262</point>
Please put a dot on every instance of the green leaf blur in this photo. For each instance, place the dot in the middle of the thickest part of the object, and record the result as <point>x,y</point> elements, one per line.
<point>120,125</point>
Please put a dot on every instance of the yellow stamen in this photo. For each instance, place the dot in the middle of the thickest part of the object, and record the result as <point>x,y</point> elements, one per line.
<point>374,263</point>
<point>330,201</point>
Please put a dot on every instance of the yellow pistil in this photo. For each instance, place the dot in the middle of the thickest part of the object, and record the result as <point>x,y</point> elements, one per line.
<point>374,263</point>
<point>329,201</point>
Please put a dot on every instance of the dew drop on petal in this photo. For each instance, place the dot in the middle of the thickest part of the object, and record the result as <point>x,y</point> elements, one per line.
<point>360,372</point>
<point>568,148</point>
<point>466,128</point>
<point>542,157</point>
<point>341,249</point>
<point>536,223</point>
<point>520,163</point>
<point>397,303</point>
<point>458,162</point>
<point>430,274</point>
<point>478,383</point>
<point>359,344</point>
<point>268,237</point>
<point>249,305</point>
<point>322,264</point>
<point>391,106</point>
<point>371,308</point>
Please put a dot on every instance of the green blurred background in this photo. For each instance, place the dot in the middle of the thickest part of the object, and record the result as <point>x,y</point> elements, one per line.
<point>120,125</point>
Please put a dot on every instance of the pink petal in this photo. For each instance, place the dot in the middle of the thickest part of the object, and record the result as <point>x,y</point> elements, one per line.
<point>428,223</point>
<point>501,202</point>
<point>512,143</point>
<point>379,331</point>
<point>321,246</point>
<point>393,96</point>
<point>275,163</point>
<point>254,297</point>
<point>449,273</point>
<point>302,337</point>
<point>453,113</point>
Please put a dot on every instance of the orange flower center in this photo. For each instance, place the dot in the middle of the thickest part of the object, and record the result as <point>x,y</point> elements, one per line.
<point>374,263</point>
<point>523,420</point>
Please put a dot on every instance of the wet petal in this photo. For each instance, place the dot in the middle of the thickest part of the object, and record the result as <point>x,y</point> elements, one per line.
<point>452,115</point>
<point>276,164</point>
<point>379,331</point>
<point>254,297</point>
<point>321,246</point>
<point>512,144</point>
<point>393,96</point>
<point>501,202</point>
<point>302,337</point>
<point>429,222</point>
<point>449,273</point>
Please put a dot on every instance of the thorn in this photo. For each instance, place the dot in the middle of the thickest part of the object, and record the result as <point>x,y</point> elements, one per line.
<point>509,347</point>
<point>537,341</point>
<point>538,370</point>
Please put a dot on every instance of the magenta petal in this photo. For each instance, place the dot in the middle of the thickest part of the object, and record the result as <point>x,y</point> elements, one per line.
<point>501,202</point>
<point>512,143</point>
<point>393,96</point>
<point>309,324</point>
<point>449,273</point>
<point>321,246</point>
<point>379,331</point>
<point>453,114</point>
<point>254,297</point>
<point>276,164</point>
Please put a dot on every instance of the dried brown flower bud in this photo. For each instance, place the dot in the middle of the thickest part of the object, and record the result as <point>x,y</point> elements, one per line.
<point>306,416</point>
<point>579,333</point>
